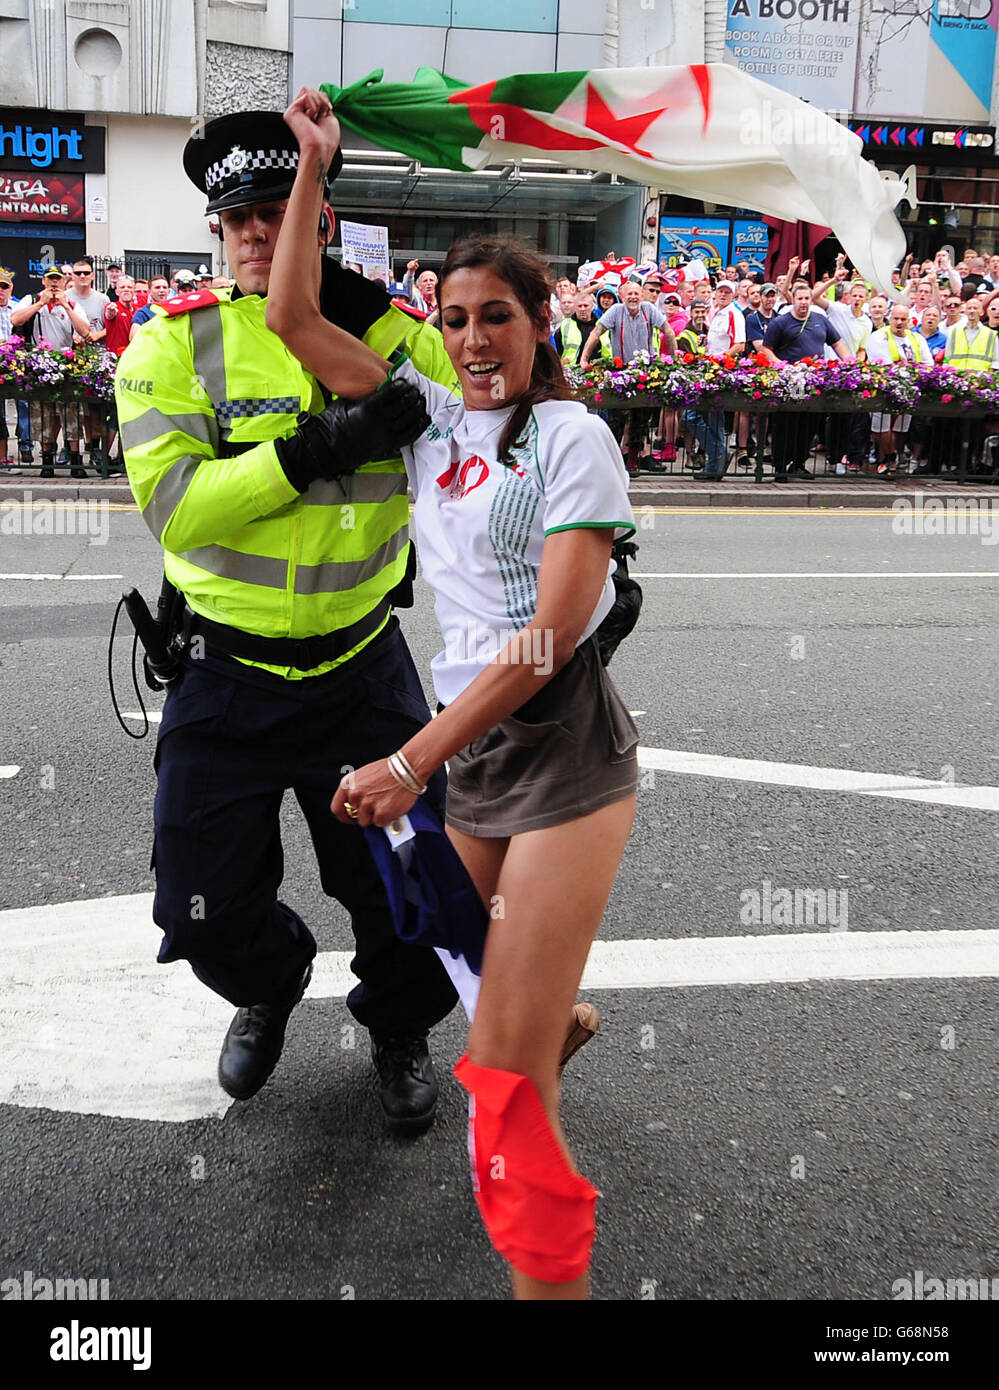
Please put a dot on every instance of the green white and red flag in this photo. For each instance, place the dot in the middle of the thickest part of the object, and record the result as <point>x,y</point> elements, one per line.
<point>705,131</point>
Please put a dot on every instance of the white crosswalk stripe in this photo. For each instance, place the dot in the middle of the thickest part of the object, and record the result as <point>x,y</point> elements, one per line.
<point>90,1023</point>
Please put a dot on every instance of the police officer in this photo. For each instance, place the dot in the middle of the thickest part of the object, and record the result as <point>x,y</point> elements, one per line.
<point>283,521</point>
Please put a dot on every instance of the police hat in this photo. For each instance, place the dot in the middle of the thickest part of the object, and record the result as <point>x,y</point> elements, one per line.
<point>249,157</point>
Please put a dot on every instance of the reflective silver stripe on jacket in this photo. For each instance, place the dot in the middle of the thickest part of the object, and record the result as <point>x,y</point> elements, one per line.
<point>332,577</point>
<point>153,424</point>
<point>209,356</point>
<point>355,487</point>
<point>170,492</point>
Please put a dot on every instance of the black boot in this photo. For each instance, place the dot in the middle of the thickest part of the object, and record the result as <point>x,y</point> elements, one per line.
<point>254,1041</point>
<point>77,469</point>
<point>48,464</point>
<point>408,1086</point>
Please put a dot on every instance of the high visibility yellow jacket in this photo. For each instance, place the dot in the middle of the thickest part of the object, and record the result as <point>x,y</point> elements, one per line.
<point>971,352</point>
<point>572,341</point>
<point>201,397</point>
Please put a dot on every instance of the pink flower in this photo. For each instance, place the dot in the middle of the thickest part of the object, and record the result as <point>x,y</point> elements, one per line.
<point>598,397</point>
<point>946,399</point>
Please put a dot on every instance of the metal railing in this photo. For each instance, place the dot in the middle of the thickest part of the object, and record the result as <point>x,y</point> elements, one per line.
<point>959,443</point>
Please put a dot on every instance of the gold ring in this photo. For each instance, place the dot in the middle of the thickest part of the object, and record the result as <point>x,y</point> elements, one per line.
<point>351,810</point>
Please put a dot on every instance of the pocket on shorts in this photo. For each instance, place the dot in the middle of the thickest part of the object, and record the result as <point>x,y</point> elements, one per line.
<point>199,699</point>
<point>530,735</point>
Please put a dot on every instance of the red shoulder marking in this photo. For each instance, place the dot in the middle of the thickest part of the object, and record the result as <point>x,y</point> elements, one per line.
<point>184,303</point>
<point>408,309</point>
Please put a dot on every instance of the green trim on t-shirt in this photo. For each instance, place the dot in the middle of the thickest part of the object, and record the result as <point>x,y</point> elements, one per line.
<point>592,525</point>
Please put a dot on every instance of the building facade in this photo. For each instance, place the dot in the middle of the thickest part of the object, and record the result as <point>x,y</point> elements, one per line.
<point>125,85</point>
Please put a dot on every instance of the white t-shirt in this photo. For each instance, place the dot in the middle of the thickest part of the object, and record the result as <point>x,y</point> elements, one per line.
<point>853,329</point>
<point>907,349</point>
<point>480,525</point>
<point>726,329</point>
<point>91,306</point>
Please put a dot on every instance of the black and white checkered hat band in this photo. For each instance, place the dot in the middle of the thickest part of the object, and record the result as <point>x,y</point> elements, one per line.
<point>246,162</point>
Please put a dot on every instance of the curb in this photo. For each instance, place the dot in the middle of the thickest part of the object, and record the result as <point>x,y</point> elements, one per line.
<point>67,490</point>
<point>658,493</point>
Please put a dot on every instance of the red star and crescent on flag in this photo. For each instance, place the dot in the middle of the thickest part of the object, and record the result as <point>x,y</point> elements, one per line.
<point>518,126</point>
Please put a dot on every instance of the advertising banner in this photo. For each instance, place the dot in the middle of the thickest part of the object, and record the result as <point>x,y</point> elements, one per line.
<point>927,61</point>
<point>682,239</point>
<point>365,249</point>
<point>750,242</point>
<point>41,197</point>
<point>806,48</point>
<point>60,143</point>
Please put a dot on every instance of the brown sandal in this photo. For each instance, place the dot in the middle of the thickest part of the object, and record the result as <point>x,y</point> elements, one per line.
<point>587,1023</point>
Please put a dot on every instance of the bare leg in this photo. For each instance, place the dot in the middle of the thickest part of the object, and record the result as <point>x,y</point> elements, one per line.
<point>534,961</point>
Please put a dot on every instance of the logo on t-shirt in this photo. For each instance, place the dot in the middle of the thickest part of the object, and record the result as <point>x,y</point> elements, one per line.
<point>463,478</point>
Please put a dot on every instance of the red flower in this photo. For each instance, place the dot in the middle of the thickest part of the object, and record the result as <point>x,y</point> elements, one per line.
<point>946,399</point>
<point>757,395</point>
<point>618,362</point>
<point>688,357</point>
<point>728,362</point>
<point>761,359</point>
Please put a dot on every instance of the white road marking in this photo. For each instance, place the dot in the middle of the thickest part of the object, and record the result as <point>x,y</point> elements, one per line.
<point>826,779</point>
<point>770,959</point>
<point>9,771</point>
<point>90,1023</point>
<point>62,576</point>
<point>824,574</point>
<point>153,715</point>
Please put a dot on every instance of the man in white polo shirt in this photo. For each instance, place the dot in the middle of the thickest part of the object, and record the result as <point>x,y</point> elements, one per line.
<point>847,434</point>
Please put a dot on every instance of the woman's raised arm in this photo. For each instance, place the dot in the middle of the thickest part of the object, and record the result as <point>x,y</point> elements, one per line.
<point>342,363</point>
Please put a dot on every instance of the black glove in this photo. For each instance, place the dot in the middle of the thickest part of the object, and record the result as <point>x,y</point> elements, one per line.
<point>349,433</point>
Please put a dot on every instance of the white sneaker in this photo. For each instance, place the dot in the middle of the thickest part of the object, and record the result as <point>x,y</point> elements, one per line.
<point>840,469</point>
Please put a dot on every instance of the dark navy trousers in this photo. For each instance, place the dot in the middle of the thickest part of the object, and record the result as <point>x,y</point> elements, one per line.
<point>232,741</point>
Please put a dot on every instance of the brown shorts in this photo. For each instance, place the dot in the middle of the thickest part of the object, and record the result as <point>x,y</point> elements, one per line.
<point>567,752</point>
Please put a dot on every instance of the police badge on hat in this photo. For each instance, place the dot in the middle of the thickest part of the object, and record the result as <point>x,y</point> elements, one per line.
<point>249,157</point>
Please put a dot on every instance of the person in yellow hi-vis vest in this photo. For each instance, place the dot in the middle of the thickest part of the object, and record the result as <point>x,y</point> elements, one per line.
<point>283,520</point>
<point>899,344</point>
<point>973,347</point>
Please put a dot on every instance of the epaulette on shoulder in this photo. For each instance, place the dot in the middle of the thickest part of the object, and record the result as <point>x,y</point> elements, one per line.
<point>184,303</point>
<point>408,309</point>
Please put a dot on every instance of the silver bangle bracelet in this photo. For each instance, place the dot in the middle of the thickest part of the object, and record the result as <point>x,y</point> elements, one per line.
<point>404,774</point>
<point>407,767</point>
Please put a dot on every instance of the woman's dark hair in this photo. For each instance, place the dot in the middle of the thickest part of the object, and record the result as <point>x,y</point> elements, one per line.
<point>527,275</point>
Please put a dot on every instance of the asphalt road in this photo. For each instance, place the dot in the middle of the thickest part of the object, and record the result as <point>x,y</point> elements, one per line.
<point>799,1141</point>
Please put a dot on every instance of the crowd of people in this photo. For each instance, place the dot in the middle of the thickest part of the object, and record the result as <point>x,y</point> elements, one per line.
<point>938,313</point>
<point>65,312</point>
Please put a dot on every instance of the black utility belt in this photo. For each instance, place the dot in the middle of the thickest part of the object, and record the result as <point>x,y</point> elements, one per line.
<point>303,653</point>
